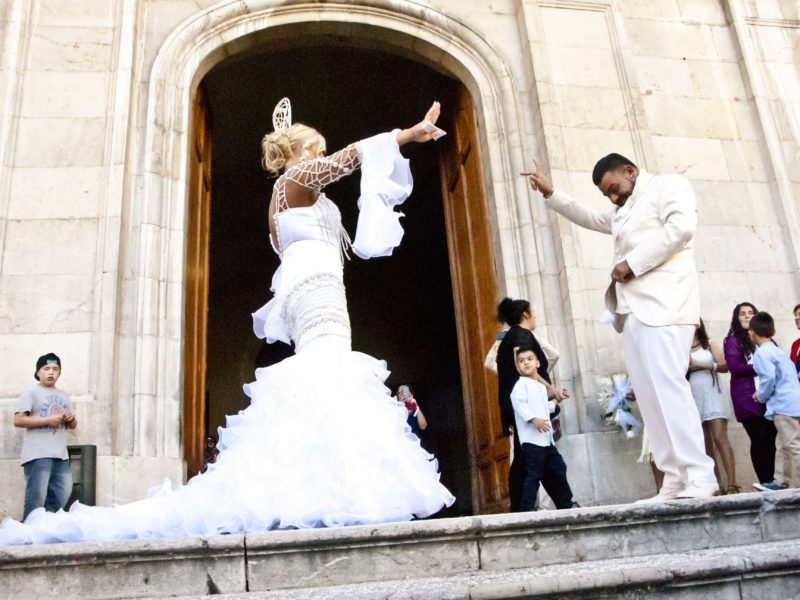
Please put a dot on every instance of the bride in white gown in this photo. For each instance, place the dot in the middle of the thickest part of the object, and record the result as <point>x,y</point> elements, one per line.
<point>322,443</point>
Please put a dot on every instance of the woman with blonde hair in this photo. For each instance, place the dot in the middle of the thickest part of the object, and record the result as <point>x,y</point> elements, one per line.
<point>323,443</point>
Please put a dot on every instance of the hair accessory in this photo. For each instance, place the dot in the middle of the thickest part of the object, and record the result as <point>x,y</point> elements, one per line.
<point>282,115</point>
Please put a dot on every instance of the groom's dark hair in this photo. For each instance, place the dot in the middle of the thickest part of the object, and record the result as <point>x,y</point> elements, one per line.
<point>611,162</point>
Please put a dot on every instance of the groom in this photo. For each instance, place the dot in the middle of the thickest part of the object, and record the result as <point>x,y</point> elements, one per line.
<point>655,302</point>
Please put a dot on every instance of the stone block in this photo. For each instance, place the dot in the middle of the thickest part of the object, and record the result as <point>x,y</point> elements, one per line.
<point>137,569</point>
<point>719,292</point>
<point>747,160</point>
<point>723,203</point>
<point>166,15</point>
<point>716,79</point>
<point>576,66</point>
<point>52,303</point>
<point>588,28</point>
<point>765,250</point>
<point>707,12</point>
<point>580,186</point>
<point>60,143</point>
<point>76,13</point>
<point>122,479</point>
<point>596,250</point>
<point>779,518</point>
<point>11,443</point>
<point>616,532</point>
<point>65,95</point>
<point>764,212</point>
<point>57,193</point>
<point>606,453</point>
<point>724,43</point>
<point>668,39</point>
<point>666,10</point>
<point>148,363</point>
<point>574,450</point>
<point>784,116</point>
<point>13,478</point>
<point>71,49</point>
<point>767,586</point>
<point>583,147</point>
<point>18,354</point>
<point>791,152</point>
<point>776,43</point>
<point>663,75</point>
<point>286,559</point>
<point>699,117</point>
<point>696,158</point>
<point>54,247</point>
<point>594,108</point>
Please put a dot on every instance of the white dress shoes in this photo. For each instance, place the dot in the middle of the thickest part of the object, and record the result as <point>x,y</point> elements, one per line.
<point>662,496</point>
<point>699,489</point>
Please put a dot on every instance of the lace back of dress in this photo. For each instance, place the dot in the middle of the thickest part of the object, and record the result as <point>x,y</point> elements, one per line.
<point>315,175</point>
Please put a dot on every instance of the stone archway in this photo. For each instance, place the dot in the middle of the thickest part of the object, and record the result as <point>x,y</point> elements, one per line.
<point>230,28</point>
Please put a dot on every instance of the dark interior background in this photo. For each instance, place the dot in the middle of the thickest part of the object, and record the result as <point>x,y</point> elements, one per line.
<point>401,307</point>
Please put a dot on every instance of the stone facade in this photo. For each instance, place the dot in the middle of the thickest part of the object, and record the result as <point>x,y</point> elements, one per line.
<point>94,105</point>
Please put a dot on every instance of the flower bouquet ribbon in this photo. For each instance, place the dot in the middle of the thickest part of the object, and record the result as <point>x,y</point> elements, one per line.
<point>614,398</point>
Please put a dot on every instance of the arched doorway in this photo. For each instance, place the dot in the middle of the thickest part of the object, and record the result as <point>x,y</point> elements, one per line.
<point>402,308</point>
<point>182,63</point>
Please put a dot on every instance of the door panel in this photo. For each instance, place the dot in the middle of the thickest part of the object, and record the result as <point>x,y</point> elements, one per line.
<point>196,303</point>
<point>474,280</point>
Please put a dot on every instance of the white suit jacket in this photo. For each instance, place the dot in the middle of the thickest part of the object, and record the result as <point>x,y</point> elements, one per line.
<point>653,231</point>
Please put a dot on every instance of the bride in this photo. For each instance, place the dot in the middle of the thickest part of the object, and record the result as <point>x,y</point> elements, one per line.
<point>322,443</point>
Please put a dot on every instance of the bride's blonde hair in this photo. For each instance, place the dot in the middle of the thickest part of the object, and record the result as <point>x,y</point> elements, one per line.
<point>279,146</point>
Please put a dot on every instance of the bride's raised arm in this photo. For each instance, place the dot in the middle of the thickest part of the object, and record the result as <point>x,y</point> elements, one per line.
<point>324,170</point>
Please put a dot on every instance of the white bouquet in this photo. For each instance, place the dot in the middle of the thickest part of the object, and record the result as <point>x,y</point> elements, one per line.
<point>614,398</point>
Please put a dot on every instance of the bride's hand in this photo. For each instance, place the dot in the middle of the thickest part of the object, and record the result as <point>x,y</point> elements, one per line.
<point>433,113</point>
<point>417,133</point>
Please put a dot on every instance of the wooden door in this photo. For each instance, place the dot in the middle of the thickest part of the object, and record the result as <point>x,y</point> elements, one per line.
<point>474,280</point>
<point>196,303</point>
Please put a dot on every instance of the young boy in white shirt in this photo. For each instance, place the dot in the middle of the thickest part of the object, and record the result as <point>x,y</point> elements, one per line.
<point>543,462</point>
<point>779,389</point>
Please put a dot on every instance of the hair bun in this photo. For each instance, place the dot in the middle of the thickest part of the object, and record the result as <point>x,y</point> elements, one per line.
<point>505,307</point>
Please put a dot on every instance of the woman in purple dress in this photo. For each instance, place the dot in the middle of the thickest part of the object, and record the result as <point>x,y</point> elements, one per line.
<point>739,354</point>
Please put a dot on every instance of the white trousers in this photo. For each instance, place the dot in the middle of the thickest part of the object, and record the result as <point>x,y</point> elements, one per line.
<point>657,359</point>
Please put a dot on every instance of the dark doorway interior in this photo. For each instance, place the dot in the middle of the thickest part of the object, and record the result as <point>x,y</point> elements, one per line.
<point>401,307</point>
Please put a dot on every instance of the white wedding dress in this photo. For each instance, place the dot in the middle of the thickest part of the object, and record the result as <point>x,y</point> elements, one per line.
<point>322,443</point>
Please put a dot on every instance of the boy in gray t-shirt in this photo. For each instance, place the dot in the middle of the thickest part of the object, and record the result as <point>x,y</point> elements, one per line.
<point>44,412</point>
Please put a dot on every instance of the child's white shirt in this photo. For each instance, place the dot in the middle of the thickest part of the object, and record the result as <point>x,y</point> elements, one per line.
<point>529,399</point>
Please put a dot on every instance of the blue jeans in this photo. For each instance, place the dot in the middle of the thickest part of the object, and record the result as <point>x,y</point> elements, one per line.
<point>48,483</point>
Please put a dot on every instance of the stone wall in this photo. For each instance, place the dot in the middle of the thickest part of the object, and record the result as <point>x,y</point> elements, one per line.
<point>93,114</point>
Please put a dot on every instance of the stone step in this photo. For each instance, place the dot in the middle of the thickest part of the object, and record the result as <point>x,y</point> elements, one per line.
<point>437,548</point>
<point>768,570</point>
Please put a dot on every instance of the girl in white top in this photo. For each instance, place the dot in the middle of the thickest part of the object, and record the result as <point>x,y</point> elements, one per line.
<point>706,360</point>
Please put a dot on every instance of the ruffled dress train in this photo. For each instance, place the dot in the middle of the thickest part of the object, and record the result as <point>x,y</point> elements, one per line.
<point>322,443</point>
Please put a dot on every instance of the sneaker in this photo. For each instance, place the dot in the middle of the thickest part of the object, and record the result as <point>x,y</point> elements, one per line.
<point>772,486</point>
<point>699,489</point>
<point>663,496</point>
